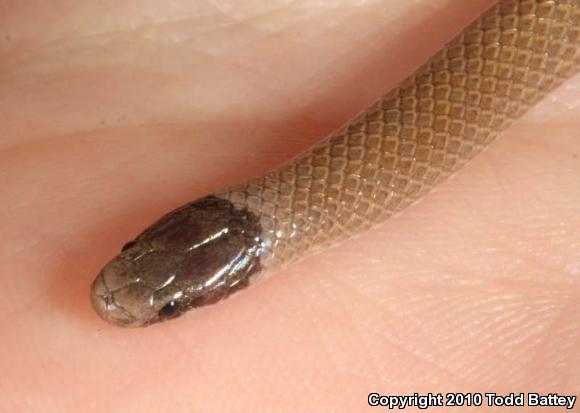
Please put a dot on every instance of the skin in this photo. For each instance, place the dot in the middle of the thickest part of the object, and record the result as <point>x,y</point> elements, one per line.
<point>112,115</point>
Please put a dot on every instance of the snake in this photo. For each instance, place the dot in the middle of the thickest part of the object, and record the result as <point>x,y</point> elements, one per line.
<point>386,158</point>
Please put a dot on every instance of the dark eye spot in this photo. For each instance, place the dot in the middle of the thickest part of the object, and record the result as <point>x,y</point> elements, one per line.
<point>169,310</point>
<point>127,246</point>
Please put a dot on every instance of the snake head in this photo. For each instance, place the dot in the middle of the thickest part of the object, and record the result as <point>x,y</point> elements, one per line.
<point>193,256</point>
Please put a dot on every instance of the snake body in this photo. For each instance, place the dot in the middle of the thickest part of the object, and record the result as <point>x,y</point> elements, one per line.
<point>386,158</point>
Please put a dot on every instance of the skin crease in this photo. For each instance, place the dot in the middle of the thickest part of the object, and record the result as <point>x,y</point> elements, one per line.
<point>114,114</point>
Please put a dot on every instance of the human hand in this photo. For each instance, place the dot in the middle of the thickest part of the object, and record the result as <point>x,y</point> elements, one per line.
<point>113,114</point>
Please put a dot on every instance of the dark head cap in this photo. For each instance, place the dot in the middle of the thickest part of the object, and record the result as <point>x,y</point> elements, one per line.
<point>193,256</point>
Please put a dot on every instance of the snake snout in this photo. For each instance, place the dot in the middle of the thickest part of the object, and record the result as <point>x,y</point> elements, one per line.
<point>106,307</point>
<point>125,306</point>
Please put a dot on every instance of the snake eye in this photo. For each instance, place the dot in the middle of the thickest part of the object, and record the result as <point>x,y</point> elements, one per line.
<point>169,310</point>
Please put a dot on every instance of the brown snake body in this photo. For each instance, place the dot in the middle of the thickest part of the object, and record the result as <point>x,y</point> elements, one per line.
<point>386,158</point>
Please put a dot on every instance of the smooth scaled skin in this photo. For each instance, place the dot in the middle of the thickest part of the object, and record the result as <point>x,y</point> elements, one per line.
<point>105,105</point>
